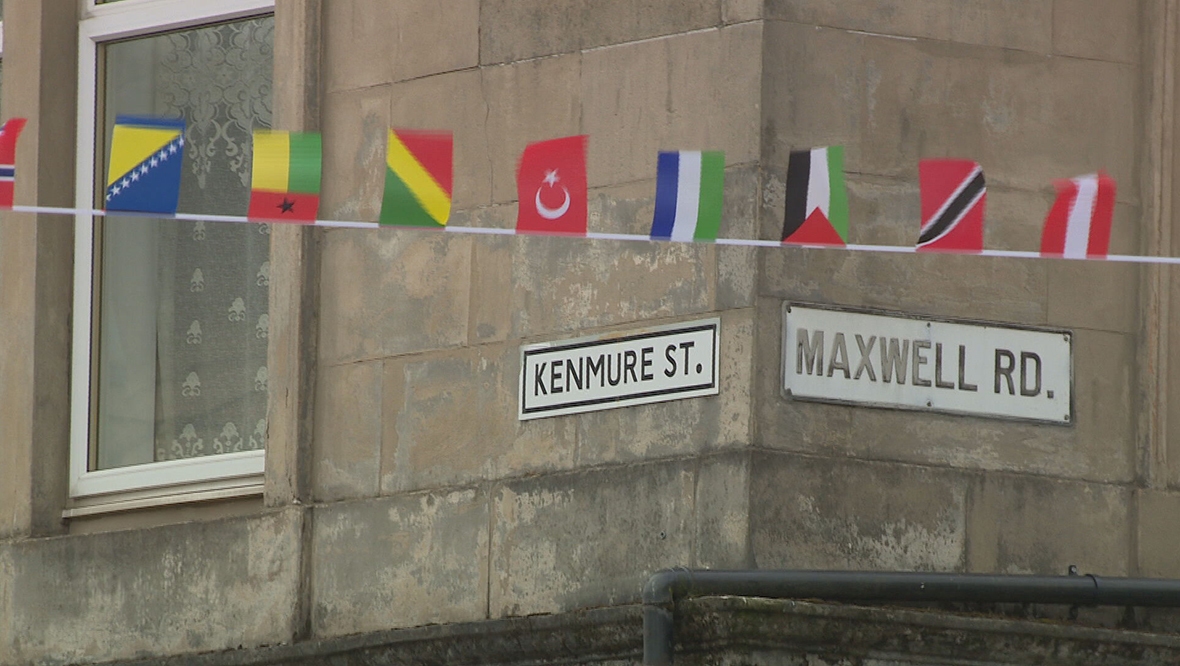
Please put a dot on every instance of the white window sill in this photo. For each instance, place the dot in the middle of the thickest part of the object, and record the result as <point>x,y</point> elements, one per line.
<point>166,483</point>
<point>159,497</point>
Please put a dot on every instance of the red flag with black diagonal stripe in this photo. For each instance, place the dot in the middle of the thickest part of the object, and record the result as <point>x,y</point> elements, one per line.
<point>954,196</point>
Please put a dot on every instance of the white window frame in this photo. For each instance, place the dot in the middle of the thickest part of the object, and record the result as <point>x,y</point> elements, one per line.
<point>150,484</point>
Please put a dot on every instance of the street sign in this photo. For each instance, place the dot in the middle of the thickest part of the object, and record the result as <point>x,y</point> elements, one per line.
<point>619,370</point>
<point>924,364</point>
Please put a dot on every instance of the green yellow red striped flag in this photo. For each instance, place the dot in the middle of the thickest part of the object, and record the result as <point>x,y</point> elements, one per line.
<point>286,176</point>
<point>418,179</point>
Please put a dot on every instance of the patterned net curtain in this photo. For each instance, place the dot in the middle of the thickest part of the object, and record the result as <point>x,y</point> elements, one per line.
<point>194,292</point>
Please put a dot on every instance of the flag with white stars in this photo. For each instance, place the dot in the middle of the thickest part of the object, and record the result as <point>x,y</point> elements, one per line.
<point>146,159</point>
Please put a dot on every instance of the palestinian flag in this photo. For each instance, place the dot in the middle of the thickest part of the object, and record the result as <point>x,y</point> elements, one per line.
<point>817,203</point>
<point>286,176</point>
<point>954,197</point>
<point>418,179</point>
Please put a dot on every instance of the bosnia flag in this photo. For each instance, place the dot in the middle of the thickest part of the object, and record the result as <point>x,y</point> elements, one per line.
<point>146,159</point>
<point>286,176</point>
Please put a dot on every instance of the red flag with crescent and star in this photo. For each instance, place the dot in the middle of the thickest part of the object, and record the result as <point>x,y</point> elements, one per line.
<point>551,184</point>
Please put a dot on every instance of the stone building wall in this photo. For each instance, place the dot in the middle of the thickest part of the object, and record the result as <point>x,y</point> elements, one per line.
<point>402,490</point>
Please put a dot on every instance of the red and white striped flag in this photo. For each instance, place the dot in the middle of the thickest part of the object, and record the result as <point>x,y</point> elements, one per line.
<point>1078,225</point>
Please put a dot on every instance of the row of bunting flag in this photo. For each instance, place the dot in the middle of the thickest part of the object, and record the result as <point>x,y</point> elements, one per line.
<point>146,167</point>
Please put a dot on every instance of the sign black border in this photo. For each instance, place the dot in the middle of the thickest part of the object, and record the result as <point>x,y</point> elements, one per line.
<point>714,326</point>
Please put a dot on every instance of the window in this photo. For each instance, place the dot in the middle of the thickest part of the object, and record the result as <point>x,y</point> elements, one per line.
<point>171,317</point>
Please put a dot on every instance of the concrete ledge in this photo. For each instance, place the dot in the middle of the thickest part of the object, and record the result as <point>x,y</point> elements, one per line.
<point>730,630</point>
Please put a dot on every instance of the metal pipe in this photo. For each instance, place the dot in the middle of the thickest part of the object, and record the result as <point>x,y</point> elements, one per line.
<point>665,588</point>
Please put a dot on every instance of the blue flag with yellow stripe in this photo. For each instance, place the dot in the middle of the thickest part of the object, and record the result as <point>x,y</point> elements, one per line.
<point>146,159</point>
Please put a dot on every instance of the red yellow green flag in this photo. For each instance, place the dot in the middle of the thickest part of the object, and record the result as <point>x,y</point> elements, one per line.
<point>286,176</point>
<point>418,179</point>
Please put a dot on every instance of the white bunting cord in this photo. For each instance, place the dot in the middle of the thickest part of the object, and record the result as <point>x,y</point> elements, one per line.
<point>496,231</point>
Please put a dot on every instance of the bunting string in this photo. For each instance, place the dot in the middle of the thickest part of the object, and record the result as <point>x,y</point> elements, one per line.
<point>499,231</point>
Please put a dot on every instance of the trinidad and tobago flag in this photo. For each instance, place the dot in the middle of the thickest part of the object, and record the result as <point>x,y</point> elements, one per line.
<point>953,200</point>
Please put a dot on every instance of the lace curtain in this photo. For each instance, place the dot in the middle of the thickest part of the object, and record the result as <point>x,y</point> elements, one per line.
<point>184,318</point>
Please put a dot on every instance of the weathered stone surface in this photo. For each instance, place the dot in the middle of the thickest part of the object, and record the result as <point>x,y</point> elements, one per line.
<point>1158,540</point>
<point>452,420</point>
<point>528,101</point>
<point>833,513</point>
<point>893,101</point>
<point>356,126</point>
<point>347,446</point>
<point>681,426</point>
<point>370,42</point>
<point>520,29</point>
<point>564,284</point>
<point>120,595</point>
<point>1109,301</point>
<point>492,289</point>
<point>737,11</point>
<point>722,501</point>
<point>1025,524</point>
<point>1012,24</point>
<point>456,102</point>
<point>399,562</point>
<point>688,92</point>
<point>390,293</point>
<point>983,288</point>
<point>1098,30</point>
<point>588,539</point>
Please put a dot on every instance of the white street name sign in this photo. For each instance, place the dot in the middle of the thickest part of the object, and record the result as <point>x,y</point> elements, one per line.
<point>913,363</point>
<point>620,370</point>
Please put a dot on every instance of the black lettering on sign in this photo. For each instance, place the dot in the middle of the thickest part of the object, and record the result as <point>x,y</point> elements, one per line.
<point>555,377</point>
<point>894,360</point>
<point>919,361</point>
<point>539,379</point>
<point>573,376</point>
<point>617,376</point>
<point>686,346</point>
<point>839,357</point>
<point>645,364</point>
<point>670,371</point>
<point>1005,365</point>
<point>963,385</point>
<point>938,383</point>
<point>1025,389</point>
<point>630,359</point>
<point>810,350</point>
<point>866,357</point>
<point>592,369</point>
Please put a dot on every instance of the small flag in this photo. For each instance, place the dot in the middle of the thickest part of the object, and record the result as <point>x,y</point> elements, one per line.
<point>9,133</point>
<point>817,202</point>
<point>954,197</point>
<point>551,184</point>
<point>418,179</point>
<point>147,158</point>
<point>1078,225</point>
<point>286,176</point>
<point>689,186</point>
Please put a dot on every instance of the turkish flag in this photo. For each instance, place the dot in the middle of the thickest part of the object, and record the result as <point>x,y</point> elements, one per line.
<point>551,184</point>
